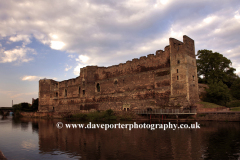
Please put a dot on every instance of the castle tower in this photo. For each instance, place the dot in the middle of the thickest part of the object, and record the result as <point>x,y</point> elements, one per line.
<point>183,68</point>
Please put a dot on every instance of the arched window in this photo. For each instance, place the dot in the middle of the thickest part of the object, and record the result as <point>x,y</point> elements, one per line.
<point>98,87</point>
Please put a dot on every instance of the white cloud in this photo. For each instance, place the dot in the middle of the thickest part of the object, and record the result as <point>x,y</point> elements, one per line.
<point>237,15</point>
<point>71,56</point>
<point>31,78</point>
<point>83,58</point>
<point>57,45</point>
<point>34,78</point>
<point>53,36</point>
<point>77,69</point>
<point>68,67</point>
<point>17,54</point>
<point>25,38</point>
<point>209,19</point>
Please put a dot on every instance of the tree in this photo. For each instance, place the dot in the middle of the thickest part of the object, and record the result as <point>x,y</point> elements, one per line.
<point>218,93</point>
<point>214,67</point>
<point>235,89</point>
<point>35,105</point>
<point>22,107</point>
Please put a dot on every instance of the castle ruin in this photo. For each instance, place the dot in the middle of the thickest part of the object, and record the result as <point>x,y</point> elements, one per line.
<point>165,79</point>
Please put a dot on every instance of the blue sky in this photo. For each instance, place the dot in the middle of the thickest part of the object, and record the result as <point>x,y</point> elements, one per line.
<point>53,39</point>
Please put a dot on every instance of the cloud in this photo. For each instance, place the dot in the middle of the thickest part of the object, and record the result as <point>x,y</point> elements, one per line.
<point>76,70</point>
<point>68,67</point>
<point>82,58</point>
<point>57,45</point>
<point>34,78</point>
<point>71,56</point>
<point>31,78</point>
<point>110,32</point>
<point>17,54</point>
<point>25,38</point>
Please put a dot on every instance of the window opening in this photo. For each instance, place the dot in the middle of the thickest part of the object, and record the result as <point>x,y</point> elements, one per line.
<point>98,87</point>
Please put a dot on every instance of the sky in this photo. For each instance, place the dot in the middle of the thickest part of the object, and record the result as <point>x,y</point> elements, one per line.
<point>53,39</point>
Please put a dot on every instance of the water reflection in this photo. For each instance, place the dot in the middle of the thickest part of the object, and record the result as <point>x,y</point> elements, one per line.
<point>215,140</point>
<point>141,143</point>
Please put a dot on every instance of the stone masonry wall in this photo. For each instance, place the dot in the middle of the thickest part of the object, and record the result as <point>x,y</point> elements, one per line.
<point>155,81</point>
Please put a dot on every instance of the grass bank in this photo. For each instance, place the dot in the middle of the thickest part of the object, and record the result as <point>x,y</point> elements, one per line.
<point>209,105</point>
<point>235,109</point>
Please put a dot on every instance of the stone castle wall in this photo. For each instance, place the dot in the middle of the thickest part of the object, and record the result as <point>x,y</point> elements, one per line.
<point>167,78</point>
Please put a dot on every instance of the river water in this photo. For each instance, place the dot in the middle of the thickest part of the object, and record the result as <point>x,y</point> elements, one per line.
<point>37,139</point>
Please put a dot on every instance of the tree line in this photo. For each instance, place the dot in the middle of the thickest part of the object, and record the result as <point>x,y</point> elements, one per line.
<point>26,107</point>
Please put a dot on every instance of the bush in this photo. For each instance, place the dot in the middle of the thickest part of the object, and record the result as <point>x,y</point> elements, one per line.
<point>109,112</point>
<point>80,116</point>
<point>218,93</point>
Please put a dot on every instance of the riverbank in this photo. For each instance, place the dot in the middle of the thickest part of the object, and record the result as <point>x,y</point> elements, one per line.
<point>98,116</point>
<point>86,115</point>
<point>219,116</point>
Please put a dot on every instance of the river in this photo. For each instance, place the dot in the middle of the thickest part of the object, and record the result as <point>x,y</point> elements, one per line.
<point>37,139</point>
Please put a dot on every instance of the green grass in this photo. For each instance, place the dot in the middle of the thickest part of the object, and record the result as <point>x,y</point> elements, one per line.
<point>209,105</point>
<point>235,109</point>
<point>235,103</point>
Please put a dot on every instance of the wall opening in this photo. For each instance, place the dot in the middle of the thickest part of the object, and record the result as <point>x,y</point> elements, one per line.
<point>193,78</point>
<point>65,93</point>
<point>56,95</point>
<point>115,82</point>
<point>178,61</point>
<point>83,83</point>
<point>177,78</point>
<point>98,87</point>
<point>53,108</point>
<point>83,92</point>
<point>149,109</point>
<point>79,90</point>
<point>177,70</point>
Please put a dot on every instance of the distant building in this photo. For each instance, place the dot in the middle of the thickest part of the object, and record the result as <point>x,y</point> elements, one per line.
<point>166,79</point>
